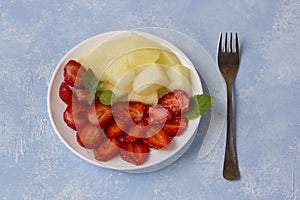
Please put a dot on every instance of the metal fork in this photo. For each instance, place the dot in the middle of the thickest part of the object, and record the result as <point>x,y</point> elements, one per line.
<point>228,61</point>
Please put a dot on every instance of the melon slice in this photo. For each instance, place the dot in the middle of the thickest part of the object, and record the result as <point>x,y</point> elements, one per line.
<point>143,56</point>
<point>95,60</point>
<point>115,70</point>
<point>168,58</point>
<point>150,99</point>
<point>119,46</point>
<point>180,79</point>
<point>119,93</point>
<point>150,79</point>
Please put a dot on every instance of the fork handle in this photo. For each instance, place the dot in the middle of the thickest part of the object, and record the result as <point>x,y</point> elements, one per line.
<point>230,168</point>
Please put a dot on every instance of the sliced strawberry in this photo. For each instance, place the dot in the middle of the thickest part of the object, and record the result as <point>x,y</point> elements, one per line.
<point>134,152</point>
<point>65,93</point>
<point>79,114</point>
<point>129,138</point>
<point>99,114</point>
<point>89,136</point>
<point>146,117</point>
<point>158,114</point>
<point>81,94</point>
<point>135,132</point>
<point>121,123</point>
<point>75,115</point>
<point>177,101</point>
<point>68,117</point>
<point>73,73</point>
<point>113,130</point>
<point>176,126</point>
<point>157,138</point>
<point>129,111</point>
<point>107,149</point>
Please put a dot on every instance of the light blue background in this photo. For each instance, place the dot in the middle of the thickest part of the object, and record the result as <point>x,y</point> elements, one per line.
<point>35,35</point>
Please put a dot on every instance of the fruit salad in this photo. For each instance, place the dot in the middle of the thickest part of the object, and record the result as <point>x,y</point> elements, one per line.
<point>128,96</point>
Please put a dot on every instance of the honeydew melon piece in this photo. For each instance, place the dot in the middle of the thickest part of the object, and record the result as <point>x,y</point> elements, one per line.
<point>115,70</point>
<point>162,91</point>
<point>152,78</point>
<point>117,92</point>
<point>140,68</point>
<point>179,77</point>
<point>95,60</point>
<point>119,46</point>
<point>168,58</point>
<point>124,84</point>
<point>184,71</point>
<point>143,56</point>
<point>82,58</point>
<point>150,99</point>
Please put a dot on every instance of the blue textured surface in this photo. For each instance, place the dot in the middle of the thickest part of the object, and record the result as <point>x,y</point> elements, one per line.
<point>35,164</point>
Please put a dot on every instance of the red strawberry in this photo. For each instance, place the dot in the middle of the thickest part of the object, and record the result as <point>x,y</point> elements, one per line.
<point>158,114</point>
<point>73,73</point>
<point>135,132</point>
<point>68,117</point>
<point>176,126</point>
<point>65,93</point>
<point>89,136</point>
<point>157,138</point>
<point>113,130</point>
<point>75,115</point>
<point>121,123</point>
<point>129,111</point>
<point>107,149</point>
<point>81,94</point>
<point>79,114</point>
<point>99,114</point>
<point>177,101</point>
<point>134,152</point>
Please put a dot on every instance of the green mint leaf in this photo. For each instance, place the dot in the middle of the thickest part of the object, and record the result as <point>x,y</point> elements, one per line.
<point>204,102</point>
<point>90,81</point>
<point>90,99</point>
<point>198,105</point>
<point>107,97</point>
<point>91,84</point>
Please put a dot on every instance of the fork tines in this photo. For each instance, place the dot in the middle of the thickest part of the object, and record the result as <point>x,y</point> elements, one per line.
<point>230,45</point>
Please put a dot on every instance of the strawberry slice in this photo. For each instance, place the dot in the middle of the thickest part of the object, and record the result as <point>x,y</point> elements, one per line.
<point>157,138</point>
<point>130,112</point>
<point>81,94</point>
<point>158,114</point>
<point>75,115</point>
<point>68,117</point>
<point>176,126</point>
<point>89,136</point>
<point>177,101</point>
<point>107,149</point>
<point>65,93</point>
<point>99,114</point>
<point>113,130</point>
<point>134,152</point>
<point>135,132</point>
<point>146,117</point>
<point>73,73</point>
<point>121,123</point>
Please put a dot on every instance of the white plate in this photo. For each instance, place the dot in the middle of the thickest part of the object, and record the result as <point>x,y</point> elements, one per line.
<point>157,158</point>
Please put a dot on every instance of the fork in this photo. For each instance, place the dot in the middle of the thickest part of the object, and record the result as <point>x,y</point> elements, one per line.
<point>228,61</point>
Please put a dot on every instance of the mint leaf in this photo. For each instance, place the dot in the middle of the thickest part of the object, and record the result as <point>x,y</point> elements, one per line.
<point>90,81</point>
<point>107,97</point>
<point>91,84</point>
<point>198,105</point>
